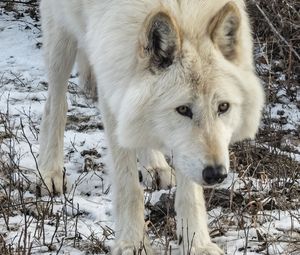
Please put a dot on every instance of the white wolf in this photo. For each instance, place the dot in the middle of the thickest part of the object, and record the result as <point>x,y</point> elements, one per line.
<point>172,76</point>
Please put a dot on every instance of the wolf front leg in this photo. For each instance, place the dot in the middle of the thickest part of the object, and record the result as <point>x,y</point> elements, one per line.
<point>59,52</point>
<point>128,196</point>
<point>192,227</point>
<point>128,205</point>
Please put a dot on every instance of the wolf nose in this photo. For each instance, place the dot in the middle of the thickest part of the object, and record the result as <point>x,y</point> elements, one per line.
<point>214,174</point>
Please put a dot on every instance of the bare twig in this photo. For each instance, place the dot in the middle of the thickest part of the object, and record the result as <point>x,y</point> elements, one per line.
<point>276,31</point>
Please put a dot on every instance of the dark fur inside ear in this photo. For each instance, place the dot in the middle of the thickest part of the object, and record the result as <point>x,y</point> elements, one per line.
<point>161,42</point>
<point>224,30</point>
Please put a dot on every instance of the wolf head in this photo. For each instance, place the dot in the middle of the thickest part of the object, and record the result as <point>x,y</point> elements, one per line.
<point>193,92</point>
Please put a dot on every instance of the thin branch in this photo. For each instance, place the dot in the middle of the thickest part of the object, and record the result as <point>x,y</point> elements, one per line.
<point>276,31</point>
<point>32,2</point>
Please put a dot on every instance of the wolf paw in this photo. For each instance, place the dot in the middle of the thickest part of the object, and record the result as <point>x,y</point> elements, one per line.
<point>54,182</point>
<point>128,248</point>
<point>208,249</point>
<point>158,178</point>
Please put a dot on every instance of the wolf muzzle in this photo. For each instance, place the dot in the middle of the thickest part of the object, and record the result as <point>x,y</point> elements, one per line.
<point>214,174</point>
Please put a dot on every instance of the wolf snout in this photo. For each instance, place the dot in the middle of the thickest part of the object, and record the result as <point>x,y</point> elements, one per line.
<point>214,174</point>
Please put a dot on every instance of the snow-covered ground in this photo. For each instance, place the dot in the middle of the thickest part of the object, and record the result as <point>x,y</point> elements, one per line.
<point>81,222</point>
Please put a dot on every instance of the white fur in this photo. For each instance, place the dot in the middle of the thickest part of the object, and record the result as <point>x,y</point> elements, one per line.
<point>138,105</point>
<point>155,170</point>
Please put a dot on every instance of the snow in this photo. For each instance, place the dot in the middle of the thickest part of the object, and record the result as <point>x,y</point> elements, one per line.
<point>23,91</point>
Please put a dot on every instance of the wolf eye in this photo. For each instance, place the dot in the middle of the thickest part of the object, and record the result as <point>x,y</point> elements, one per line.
<point>223,107</point>
<point>185,111</point>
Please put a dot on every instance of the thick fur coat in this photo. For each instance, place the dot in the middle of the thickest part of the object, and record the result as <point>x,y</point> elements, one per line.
<point>170,76</point>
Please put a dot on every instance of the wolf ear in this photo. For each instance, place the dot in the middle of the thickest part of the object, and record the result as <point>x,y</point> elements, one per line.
<point>160,40</point>
<point>224,30</point>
